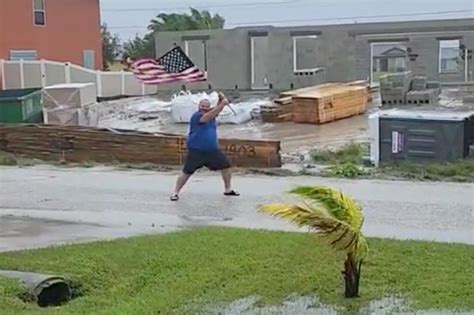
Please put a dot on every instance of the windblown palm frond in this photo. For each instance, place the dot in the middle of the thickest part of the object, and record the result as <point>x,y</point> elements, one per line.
<point>335,217</point>
<point>338,234</point>
<point>339,205</point>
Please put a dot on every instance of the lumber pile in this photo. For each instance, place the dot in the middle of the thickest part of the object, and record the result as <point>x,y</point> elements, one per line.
<point>76,144</point>
<point>366,84</point>
<point>330,104</point>
<point>320,103</point>
<point>280,111</point>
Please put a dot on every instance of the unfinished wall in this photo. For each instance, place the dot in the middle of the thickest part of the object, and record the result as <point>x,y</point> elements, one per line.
<point>341,52</point>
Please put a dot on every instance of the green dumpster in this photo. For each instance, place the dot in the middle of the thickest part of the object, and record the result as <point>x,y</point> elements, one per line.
<point>18,106</point>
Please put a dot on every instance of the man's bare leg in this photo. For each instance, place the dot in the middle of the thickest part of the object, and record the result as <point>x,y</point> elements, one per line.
<point>227,177</point>
<point>180,182</point>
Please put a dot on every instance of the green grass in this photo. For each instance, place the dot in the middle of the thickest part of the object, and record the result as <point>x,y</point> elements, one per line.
<point>184,271</point>
<point>8,159</point>
<point>347,161</point>
<point>460,171</point>
<point>350,153</point>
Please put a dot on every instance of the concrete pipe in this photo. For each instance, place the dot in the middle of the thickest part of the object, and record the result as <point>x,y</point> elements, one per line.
<point>46,290</point>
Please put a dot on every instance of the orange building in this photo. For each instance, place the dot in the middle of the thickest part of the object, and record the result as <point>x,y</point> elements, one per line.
<point>58,30</point>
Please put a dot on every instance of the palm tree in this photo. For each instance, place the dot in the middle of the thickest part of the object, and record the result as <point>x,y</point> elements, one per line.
<point>197,20</point>
<point>336,219</point>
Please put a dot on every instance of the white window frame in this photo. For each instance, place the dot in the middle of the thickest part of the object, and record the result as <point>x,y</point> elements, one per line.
<point>204,45</point>
<point>440,47</point>
<point>43,11</point>
<point>31,51</point>
<point>295,63</point>
<point>372,56</point>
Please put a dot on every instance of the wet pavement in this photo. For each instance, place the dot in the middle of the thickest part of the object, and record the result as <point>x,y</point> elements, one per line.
<point>43,205</point>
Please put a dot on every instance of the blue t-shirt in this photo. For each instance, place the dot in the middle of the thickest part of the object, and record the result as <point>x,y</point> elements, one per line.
<point>202,136</point>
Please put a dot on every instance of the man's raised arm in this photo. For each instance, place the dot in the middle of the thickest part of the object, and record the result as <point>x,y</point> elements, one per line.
<point>213,113</point>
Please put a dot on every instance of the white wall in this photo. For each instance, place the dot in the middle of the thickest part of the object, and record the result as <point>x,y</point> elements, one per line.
<point>23,74</point>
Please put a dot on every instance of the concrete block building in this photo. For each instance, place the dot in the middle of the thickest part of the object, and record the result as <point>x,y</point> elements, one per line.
<point>281,58</point>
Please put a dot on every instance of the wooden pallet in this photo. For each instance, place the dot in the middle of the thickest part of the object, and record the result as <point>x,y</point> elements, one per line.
<point>84,144</point>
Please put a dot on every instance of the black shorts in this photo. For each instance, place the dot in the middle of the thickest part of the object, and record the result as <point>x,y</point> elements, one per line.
<point>215,161</point>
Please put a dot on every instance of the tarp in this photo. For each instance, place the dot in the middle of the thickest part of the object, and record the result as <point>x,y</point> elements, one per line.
<point>185,104</point>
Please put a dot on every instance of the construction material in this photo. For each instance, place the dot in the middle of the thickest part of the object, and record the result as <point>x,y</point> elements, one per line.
<point>273,113</point>
<point>433,85</point>
<point>284,109</point>
<point>71,95</point>
<point>71,104</point>
<point>423,97</point>
<point>185,104</point>
<point>419,83</point>
<point>19,106</point>
<point>329,104</point>
<point>365,84</point>
<point>401,88</point>
<point>88,115</point>
<point>394,86</point>
<point>307,89</point>
<point>74,144</point>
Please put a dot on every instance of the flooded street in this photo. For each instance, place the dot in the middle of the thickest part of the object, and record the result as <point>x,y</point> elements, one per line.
<point>77,205</point>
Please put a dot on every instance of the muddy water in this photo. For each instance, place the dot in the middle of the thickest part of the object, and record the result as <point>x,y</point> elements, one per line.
<point>148,114</point>
<point>152,115</point>
<point>304,305</point>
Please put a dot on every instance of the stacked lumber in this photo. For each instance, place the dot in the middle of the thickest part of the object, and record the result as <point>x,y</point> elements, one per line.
<point>308,89</point>
<point>329,104</point>
<point>320,103</point>
<point>76,144</point>
<point>280,111</point>
<point>365,84</point>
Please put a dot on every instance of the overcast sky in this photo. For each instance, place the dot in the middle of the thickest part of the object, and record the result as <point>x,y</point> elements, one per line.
<point>130,17</point>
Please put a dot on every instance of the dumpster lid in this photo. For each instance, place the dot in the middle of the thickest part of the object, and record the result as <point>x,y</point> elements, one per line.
<point>17,94</point>
<point>425,114</point>
<point>68,86</point>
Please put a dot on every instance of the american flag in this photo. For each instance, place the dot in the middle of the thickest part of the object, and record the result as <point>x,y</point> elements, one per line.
<point>171,67</point>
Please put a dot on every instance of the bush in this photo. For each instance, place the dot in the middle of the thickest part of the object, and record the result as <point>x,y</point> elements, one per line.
<point>348,170</point>
<point>350,153</point>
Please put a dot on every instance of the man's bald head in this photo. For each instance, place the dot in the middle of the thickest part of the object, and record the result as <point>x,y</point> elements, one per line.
<point>204,105</point>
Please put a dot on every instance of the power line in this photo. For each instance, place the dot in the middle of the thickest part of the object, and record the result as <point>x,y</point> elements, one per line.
<point>227,5</point>
<point>320,19</point>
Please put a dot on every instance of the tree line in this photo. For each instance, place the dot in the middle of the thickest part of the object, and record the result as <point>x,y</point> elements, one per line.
<point>144,46</point>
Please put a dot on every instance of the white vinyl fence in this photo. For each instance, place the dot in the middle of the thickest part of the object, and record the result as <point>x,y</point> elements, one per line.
<point>23,74</point>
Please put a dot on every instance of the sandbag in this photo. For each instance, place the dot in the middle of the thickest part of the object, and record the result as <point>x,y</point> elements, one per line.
<point>185,104</point>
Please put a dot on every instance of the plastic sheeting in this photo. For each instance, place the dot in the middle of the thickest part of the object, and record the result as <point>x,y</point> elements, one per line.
<point>70,105</point>
<point>185,104</point>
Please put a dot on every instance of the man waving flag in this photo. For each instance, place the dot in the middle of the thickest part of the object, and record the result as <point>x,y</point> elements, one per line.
<point>171,67</point>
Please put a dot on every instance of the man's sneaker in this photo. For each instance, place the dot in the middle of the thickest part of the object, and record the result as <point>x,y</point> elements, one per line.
<point>174,197</point>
